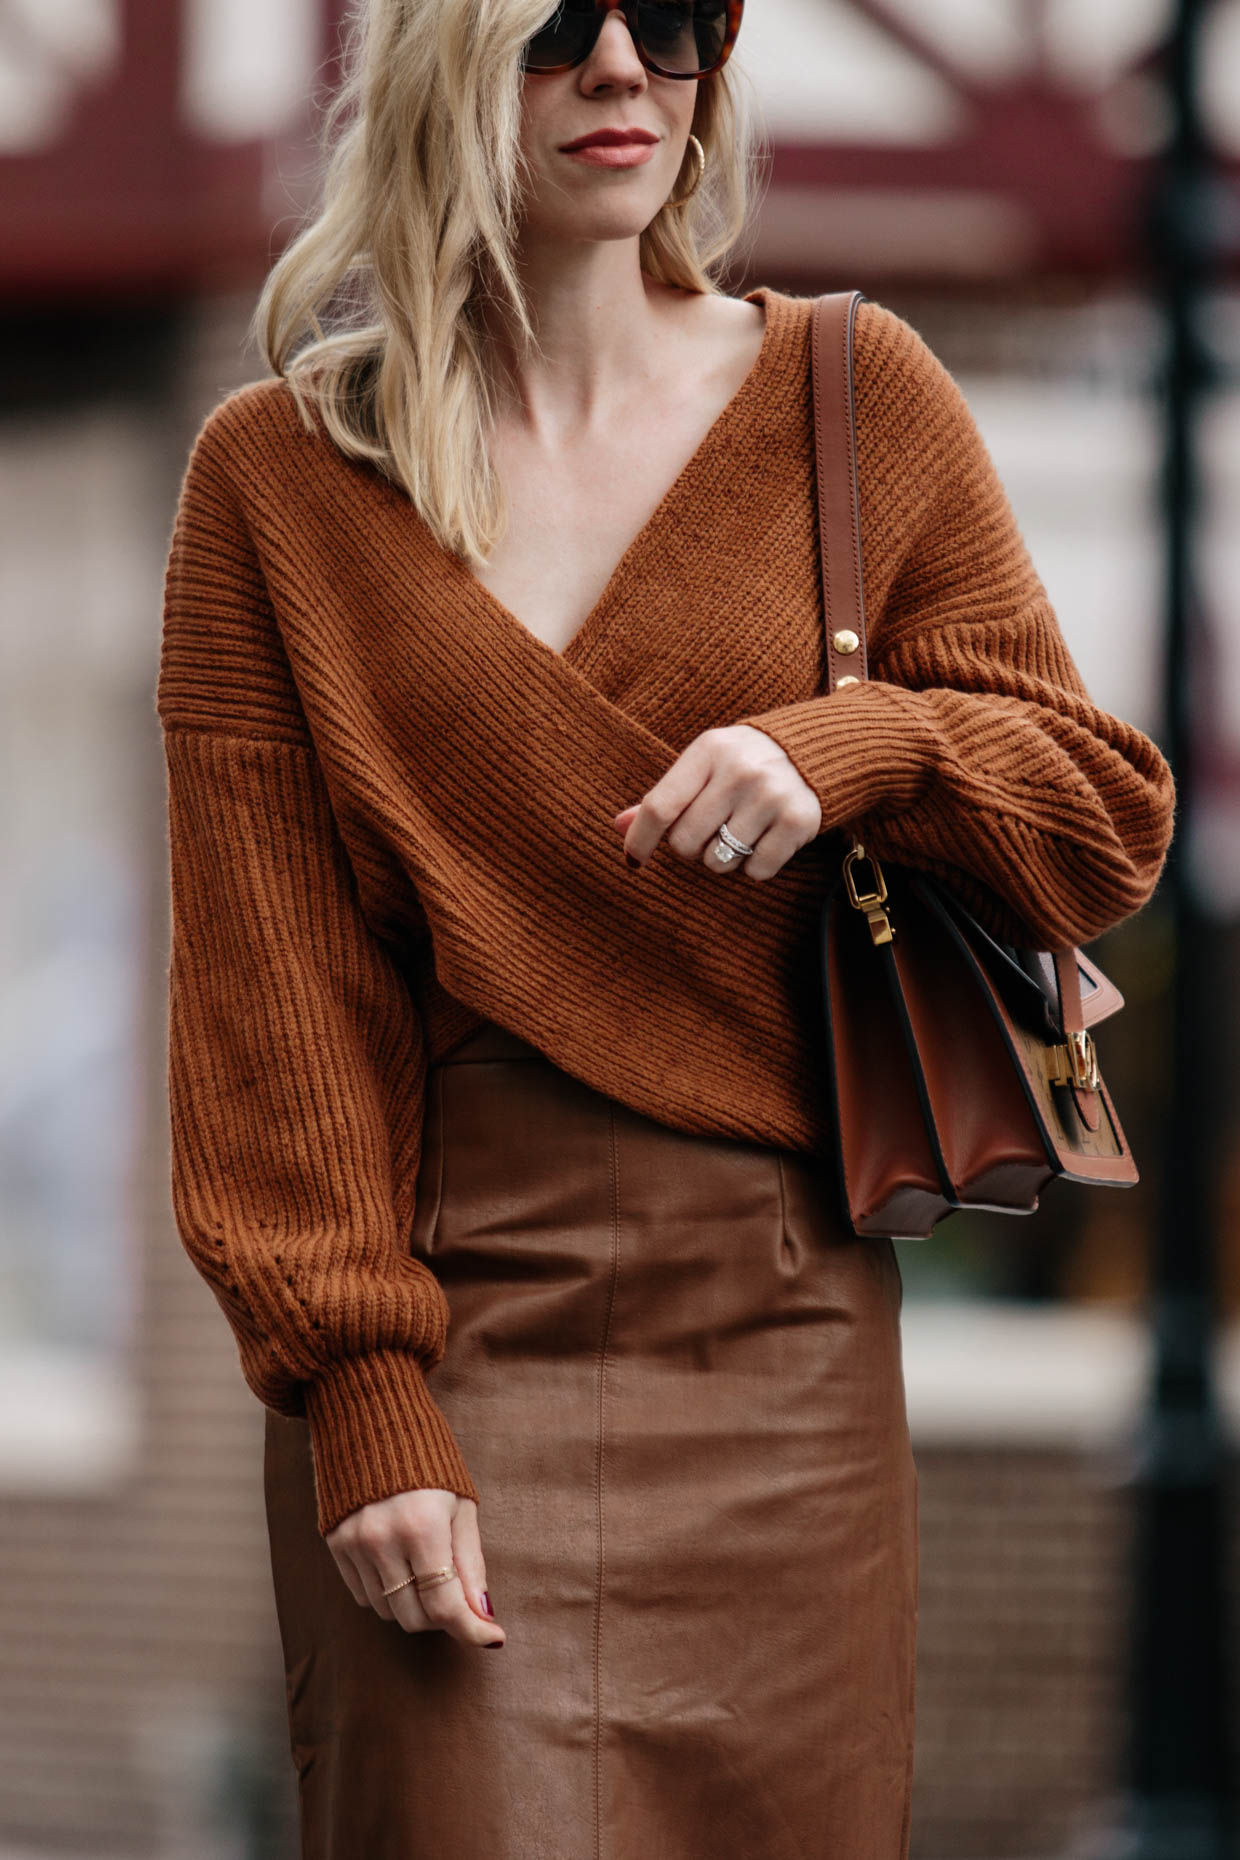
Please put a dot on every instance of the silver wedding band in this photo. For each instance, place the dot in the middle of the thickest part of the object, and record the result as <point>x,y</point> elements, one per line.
<point>728,847</point>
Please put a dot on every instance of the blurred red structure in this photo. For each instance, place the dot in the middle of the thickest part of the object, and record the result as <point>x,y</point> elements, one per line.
<point>1048,151</point>
<point>130,199</point>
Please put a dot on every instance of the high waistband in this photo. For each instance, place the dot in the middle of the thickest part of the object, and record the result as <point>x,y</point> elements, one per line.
<point>491,1042</point>
<point>542,1105</point>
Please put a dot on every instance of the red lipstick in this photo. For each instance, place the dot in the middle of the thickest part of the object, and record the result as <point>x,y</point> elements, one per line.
<point>613,148</point>
<point>608,138</point>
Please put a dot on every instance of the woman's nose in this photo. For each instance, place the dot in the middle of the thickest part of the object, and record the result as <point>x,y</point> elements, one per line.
<point>614,57</point>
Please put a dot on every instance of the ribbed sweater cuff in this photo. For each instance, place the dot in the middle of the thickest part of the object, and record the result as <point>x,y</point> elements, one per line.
<point>861,749</point>
<point>376,1430</point>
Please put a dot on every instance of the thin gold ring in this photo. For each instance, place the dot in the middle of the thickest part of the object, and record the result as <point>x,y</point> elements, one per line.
<point>433,1577</point>
<point>430,1580</point>
<point>400,1585</point>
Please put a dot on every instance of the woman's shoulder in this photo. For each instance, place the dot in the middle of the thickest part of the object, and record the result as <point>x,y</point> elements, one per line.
<point>895,367</point>
<point>267,402</point>
<point>252,434</point>
<point>902,384</point>
<point>222,664</point>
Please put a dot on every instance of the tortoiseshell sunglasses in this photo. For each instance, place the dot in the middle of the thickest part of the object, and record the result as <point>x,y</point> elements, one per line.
<point>673,38</point>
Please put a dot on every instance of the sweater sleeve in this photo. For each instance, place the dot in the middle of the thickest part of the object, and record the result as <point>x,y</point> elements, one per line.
<point>973,750</point>
<point>297,1061</point>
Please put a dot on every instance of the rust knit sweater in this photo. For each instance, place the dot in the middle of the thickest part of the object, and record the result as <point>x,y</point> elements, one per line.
<point>391,810</point>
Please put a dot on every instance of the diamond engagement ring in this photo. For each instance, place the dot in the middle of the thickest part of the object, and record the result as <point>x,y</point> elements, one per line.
<point>728,847</point>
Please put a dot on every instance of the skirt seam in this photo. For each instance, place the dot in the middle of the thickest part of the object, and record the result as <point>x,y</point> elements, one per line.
<point>906,1827</point>
<point>600,1479</point>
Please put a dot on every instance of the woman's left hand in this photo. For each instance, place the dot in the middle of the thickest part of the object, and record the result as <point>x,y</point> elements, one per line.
<point>735,776</point>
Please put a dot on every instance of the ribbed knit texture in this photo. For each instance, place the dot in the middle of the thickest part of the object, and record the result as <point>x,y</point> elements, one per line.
<point>391,808</point>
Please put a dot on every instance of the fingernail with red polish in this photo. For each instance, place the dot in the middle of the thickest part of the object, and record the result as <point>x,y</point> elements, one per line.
<point>493,1643</point>
<point>486,1602</point>
<point>635,863</point>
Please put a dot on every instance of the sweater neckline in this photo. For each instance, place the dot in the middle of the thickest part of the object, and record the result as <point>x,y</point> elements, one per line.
<point>488,606</point>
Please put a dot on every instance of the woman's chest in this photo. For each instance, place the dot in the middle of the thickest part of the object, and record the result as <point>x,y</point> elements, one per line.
<point>711,609</point>
<point>582,516</point>
<point>570,525</point>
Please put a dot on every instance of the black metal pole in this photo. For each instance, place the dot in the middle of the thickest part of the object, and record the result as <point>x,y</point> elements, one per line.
<point>1179,1804</point>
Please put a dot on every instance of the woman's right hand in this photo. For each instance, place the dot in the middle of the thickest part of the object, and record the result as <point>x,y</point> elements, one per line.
<point>382,1543</point>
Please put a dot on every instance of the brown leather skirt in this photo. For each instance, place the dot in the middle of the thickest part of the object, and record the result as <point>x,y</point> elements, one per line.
<point>677,1381</point>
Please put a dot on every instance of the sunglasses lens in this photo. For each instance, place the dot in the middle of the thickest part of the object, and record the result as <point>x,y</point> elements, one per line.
<point>684,36</point>
<point>565,36</point>
<point>681,36</point>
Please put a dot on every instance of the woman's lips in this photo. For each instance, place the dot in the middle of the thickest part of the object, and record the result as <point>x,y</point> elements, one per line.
<point>613,154</point>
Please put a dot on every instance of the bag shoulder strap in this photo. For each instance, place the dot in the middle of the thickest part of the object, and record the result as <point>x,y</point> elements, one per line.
<point>839,542</point>
<point>839,516</point>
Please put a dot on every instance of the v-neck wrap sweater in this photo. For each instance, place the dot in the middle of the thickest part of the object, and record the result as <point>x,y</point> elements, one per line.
<point>391,805</point>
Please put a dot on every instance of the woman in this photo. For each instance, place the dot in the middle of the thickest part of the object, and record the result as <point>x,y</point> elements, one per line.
<point>502,792</point>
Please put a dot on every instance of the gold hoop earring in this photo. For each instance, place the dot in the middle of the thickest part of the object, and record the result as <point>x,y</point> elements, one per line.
<point>699,155</point>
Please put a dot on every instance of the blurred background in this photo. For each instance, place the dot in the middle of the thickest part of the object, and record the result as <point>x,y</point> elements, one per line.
<point>1047,190</point>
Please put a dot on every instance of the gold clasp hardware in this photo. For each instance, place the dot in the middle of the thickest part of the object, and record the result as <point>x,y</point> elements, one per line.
<point>1074,1063</point>
<point>871,902</point>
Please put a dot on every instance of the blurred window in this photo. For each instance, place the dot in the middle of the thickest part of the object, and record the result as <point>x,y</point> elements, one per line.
<point>79,581</point>
<point>50,51</point>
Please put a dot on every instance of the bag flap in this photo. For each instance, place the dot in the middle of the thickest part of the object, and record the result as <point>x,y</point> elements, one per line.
<point>1027,976</point>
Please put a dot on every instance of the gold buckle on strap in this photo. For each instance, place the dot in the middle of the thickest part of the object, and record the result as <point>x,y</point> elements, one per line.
<point>1074,1063</point>
<point>871,902</point>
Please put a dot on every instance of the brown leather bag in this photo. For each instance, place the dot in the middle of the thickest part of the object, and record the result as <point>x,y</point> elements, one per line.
<point>963,1068</point>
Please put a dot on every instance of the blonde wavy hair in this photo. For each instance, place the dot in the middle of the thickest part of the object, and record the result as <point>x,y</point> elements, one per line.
<point>371,313</point>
